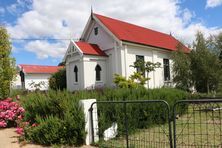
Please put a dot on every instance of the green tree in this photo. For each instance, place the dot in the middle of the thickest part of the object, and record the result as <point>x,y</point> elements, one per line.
<point>144,68</point>
<point>181,69</point>
<point>58,80</point>
<point>205,65</point>
<point>7,64</point>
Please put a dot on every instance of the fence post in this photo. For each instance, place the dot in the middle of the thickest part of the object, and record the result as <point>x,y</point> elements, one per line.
<point>126,125</point>
<point>91,120</point>
<point>174,125</point>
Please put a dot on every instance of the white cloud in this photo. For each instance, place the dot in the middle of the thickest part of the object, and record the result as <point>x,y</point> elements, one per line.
<point>65,19</point>
<point>44,49</point>
<point>213,3</point>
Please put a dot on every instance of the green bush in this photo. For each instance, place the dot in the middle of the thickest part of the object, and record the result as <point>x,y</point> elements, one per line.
<point>139,115</point>
<point>58,80</point>
<point>59,118</point>
<point>58,112</point>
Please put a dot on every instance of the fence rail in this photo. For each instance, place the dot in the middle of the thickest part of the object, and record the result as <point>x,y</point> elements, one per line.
<point>151,123</point>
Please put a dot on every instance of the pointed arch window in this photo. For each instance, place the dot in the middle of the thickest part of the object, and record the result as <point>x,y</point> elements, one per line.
<point>98,72</point>
<point>76,73</point>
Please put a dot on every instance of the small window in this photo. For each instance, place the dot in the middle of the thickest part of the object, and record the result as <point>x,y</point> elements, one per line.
<point>166,66</point>
<point>139,58</point>
<point>76,73</point>
<point>98,72</point>
<point>96,30</point>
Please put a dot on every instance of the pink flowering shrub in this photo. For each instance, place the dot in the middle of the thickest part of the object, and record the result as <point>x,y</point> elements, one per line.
<point>10,113</point>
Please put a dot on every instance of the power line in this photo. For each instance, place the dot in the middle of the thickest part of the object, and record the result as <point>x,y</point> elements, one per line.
<point>28,39</point>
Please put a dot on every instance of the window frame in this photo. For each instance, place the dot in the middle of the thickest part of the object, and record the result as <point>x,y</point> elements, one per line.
<point>98,70</point>
<point>166,70</point>
<point>76,74</point>
<point>96,31</point>
<point>140,57</point>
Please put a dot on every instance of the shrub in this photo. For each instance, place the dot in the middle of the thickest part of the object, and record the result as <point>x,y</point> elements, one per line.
<point>59,118</point>
<point>139,115</point>
<point>10,112</point>
<point>58,80</point>
<point>58,112</point>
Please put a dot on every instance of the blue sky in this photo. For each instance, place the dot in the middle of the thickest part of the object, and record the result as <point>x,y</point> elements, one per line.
<point>50,19</point>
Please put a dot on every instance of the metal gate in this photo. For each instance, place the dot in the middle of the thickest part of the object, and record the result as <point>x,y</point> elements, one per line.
<point>199,125</point>
<point>147,123</point>
<point>136,123</point>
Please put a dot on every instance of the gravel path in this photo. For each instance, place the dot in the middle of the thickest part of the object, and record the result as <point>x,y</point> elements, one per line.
<point>9,139</point>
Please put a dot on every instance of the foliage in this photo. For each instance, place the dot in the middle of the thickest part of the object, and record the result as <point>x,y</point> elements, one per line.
<point>181,69</point>
<point>10,112</point>
<point>56,112</point>
<point>139,115</point>
<point>136,80</point>
<point>7,68</point>
<point>201,68</point>
<point>37,86</point>
<point>58,80</point>
<point>205,66</point>
<point>145,66</point>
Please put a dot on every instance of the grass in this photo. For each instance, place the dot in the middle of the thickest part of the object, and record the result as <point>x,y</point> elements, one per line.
<point>199,127</point>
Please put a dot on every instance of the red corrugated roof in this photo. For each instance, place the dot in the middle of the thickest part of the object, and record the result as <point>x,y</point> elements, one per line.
<point>132,33</point>
<point>90,49</point>
<point>39,68</point>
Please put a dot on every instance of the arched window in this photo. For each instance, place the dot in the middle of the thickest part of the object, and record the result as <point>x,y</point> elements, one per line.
<point>98,73</point>
<point>76,73</point>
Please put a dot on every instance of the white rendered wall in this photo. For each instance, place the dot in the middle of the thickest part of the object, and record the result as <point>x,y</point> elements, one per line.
<point>85,105</point>
<point>16,83</point>
<point>90,63</point>
<point>102,39</point>
<point>70,75</point>
<point>37,78</point>
<point>128,57</point>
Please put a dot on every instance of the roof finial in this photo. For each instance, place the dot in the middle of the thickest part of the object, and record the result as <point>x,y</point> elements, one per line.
<point>91,9</point>
<point>170,33</point>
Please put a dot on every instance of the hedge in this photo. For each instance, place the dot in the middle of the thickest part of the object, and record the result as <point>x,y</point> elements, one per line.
<point>59,111</point>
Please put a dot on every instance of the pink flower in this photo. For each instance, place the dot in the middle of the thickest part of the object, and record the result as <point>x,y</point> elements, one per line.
<point>19,131</point>
<point>3,124</point>
<point>21,109</point>
<point>20,117</point>
<point>34,124</point>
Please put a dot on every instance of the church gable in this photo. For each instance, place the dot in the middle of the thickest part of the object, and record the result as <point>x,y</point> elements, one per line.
<point>95,33</point>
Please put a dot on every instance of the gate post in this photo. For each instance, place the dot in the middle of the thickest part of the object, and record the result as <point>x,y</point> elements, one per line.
<point>91,120</point>
<point>126,125</point>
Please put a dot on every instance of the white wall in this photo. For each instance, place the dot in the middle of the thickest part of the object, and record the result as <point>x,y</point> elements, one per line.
<point>102,39</point>
<point>16,83</point>
<point>75,60</point>
<point>90,63</point>
<point>128,57</point>
<point>37,78</point>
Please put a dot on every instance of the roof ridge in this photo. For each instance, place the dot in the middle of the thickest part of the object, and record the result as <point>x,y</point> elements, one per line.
<point>133,24</point>
<point>39,65</point>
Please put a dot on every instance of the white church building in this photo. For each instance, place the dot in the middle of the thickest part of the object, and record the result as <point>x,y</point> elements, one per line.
<point>109,46</point>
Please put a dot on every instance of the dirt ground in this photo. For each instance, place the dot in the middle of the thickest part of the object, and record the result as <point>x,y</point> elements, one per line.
<point>9,139</point>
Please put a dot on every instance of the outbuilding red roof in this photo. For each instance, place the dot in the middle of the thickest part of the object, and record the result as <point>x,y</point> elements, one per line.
<point>39,68</point>
<point>132,33</point>
<point>90,49</point>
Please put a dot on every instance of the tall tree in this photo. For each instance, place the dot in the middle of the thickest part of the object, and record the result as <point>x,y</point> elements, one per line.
<point>181,69</point>
<point>7,64</point>
<point>205,65</point>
